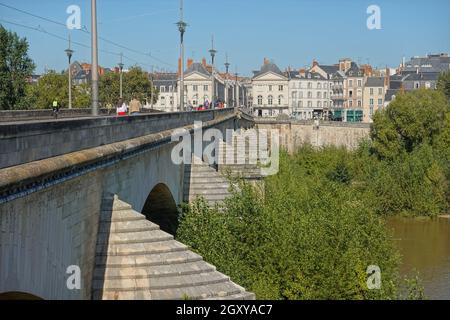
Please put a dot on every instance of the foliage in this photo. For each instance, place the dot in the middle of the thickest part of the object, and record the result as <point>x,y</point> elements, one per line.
<point>53,86</point>
<point>15,68</point>
<point>410,120</point>
<point>444,83</point>
<point>310,238</point>
<point>135,82</point>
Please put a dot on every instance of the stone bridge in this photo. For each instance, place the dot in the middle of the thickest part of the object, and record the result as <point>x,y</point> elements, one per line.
<point>102,194</point>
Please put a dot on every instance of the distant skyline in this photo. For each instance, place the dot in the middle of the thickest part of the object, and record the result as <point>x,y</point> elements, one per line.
<point>289,32</point>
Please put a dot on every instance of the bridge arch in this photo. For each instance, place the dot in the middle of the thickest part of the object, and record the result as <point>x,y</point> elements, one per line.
<point>16,295</point>
<point>161,208</point>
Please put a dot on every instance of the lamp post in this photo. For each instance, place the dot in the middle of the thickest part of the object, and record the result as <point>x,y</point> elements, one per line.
<point>121,75</point>
<point>213,53</point>
<point>227,68</point>
<point>69,53</point>
<point>182,29</point>
<point>94,53</point>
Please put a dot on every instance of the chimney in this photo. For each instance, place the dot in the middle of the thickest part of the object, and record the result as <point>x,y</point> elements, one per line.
<point>189,63</point>
<point>204,62</point>
<point>179,66</point>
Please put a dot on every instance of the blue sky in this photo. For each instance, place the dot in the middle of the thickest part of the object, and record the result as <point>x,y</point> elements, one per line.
<point>291,32</point>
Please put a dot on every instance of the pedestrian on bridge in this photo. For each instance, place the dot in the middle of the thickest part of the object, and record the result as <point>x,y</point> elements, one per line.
<point>135,106</point>
<point>55,108</point>
<point>122,108</point>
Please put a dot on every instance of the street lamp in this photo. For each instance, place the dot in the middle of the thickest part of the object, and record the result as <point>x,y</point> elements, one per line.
<point>121,75</point>
<point>213,53</point>
<point>94,53</point>
<point>182,29</point>
<point>69,53</point>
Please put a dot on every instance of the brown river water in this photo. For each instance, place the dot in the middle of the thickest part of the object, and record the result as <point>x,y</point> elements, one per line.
<point>425,246</point>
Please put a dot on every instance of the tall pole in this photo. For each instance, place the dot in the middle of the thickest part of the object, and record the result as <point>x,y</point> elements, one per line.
<point>237,89</point>
<point>69,53</point>
<point>153,88</point>
<point>227,68</point>
<point>182,28</point>
<point>94,71</point>
<point>213,55</point>
<point>121,65</point>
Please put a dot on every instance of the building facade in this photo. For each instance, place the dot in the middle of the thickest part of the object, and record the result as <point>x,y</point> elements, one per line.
<point>167,86</point>
<point>310,95</point>
<point>270,91</point>
<point>374,97</point>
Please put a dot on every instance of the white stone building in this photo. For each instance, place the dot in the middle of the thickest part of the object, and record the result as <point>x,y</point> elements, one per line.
<point>270,91</point>
<point>167,86</point>
<point>310,95</point>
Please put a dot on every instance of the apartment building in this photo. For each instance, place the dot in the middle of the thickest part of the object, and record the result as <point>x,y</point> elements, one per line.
<point>373,97</point>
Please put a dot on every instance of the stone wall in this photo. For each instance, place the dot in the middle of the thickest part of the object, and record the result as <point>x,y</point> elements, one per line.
<point>50,222</point>
<point>293,134</point>
<point>35,140</point>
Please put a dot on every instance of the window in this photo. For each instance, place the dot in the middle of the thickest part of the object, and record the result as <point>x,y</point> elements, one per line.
<point>371,102</point>
<point>170,89</point>
<point>280,88</point>
<point>270,88</point>
<point>270,100</point>
<point>325,95</point>
<point>280,100</point>
<point>205,88</point>
<point>380,102</point>
<point>380,91</point>
<point>325,104</point>
<point>319,95</point>
<point>359,83</point>
<point>309,104</point>
<point>359,103</point>
<point>309,85</point>
<point>195,88</point>
<point>350,103</point>
<point>371,91</point>
<point>417,85</point>
<point>350,93</point>
<point>294,95</point>
<point>319,86</point>
<point>195,100</point>
<point>371,111</point>
<point>163,101</point>
<point>162,89</point>
<point>300,94</point>
<point>309,95</point>
<point>260,102</point>
<point>319,104</point>
<point>171,101</point>
<point>359,93</point>
<point>350,83</point>
<point>300,104</point>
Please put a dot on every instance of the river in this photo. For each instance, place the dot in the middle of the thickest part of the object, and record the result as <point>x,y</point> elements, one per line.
<point>425,246</point>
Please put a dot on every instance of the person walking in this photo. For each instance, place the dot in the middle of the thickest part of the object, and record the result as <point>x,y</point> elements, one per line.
<point>55,107</point>
<point>135,106</point>
<point>122,109</point>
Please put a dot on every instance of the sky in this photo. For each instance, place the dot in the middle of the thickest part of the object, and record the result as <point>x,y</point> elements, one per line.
<point>290,32</point>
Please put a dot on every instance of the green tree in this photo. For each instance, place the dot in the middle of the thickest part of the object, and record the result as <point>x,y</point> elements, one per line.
<point>410,120</point>
<point>15,67</point>
<point>55,86</point>
<point>135,82</point>
<point>444,83</point>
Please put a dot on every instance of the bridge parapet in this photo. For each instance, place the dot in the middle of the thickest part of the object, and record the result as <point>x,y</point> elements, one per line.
<point>23,142</point>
